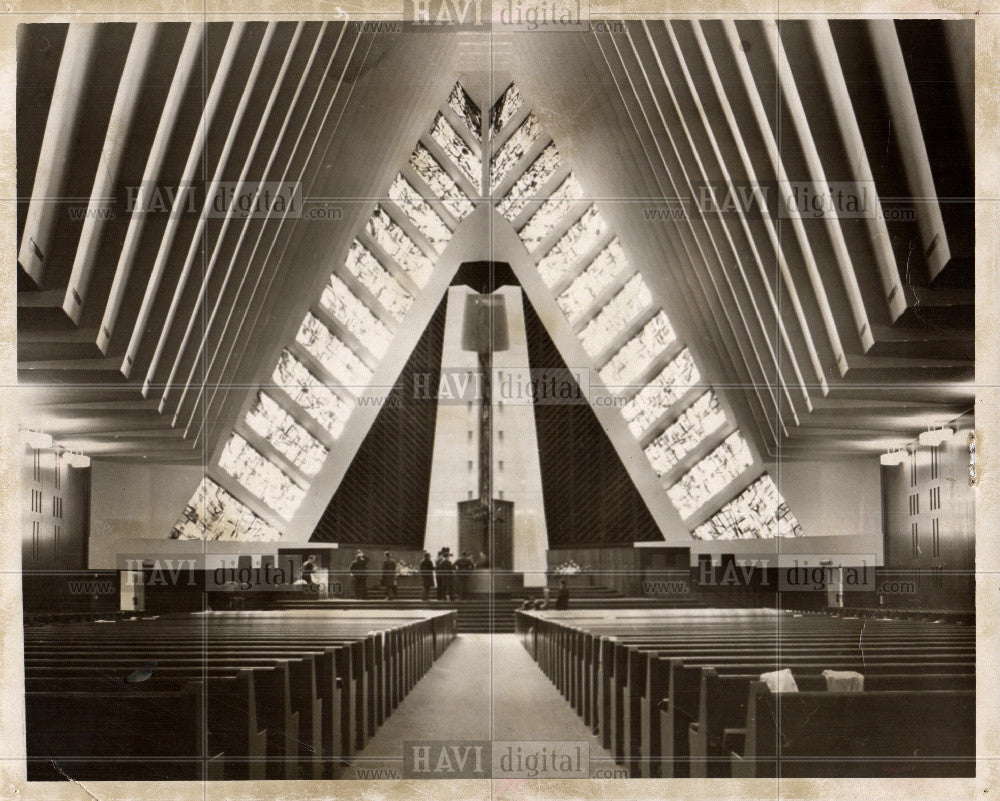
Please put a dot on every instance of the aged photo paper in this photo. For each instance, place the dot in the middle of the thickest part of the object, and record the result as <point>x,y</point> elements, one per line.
<point>499,399</point>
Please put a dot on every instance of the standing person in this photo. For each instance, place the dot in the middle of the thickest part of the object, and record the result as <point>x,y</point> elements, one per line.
<point>463,575</point>
<point>389,576</point>
<point>446,575</point>
<point>439,574</point>
<point>359,570</point>
<point>562,598</point>
<point>484,561</point>
<point>427,574</point>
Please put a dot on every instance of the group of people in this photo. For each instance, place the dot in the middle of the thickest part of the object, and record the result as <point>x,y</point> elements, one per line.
<point>451,580</point>
<point>359,575</point>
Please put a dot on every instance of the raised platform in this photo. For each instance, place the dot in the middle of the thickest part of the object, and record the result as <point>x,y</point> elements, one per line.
<point>483,613</point>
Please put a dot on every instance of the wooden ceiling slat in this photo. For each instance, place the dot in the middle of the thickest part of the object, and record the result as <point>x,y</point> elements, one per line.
<point>140,54</point>
<point>154,163</point>
<point>708,263</point>
<point>231,340</point>
<point>196,245</point>
<point>791,291</point>
<point>817,175</point>
<point>744,293</point>
<point>775,322</point>
<point>195,159</point>
<point>764,125</point>
<point>55,158</point>
<point>842,108</point>
<point>906,123</point>
<point>184,356</point>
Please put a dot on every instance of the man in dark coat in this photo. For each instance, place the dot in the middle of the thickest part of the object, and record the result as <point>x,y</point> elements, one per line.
<point>439,574</point>
<point>389,576</point>
<point>562,599</point>
<point>427,574</point>
<point>463,574</point>
<point>445,572</point>
<point>484,561</point>
<point>359,570</point>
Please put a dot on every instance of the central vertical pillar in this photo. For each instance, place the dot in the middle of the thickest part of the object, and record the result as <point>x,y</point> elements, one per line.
<point>485,493</point>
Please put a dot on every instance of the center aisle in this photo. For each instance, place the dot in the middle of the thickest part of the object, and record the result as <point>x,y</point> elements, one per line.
<point>484,687</point>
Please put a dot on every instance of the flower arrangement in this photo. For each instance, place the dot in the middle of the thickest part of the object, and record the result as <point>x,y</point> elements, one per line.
<point>569,568</point>
<point>403,569</point>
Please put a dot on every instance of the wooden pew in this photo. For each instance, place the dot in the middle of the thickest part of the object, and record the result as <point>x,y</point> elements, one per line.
<point>321,681</point>
<point>622,669</point>
<point>887,734</point>
<point>117,723</point>
<point>272,679</point>
<point>723,705</point>
<point>234,745</point>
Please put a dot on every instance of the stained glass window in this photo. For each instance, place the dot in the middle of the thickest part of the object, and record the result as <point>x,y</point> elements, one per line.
<point>581,237</point>
<point>530,183</point>
<point>378,280</point>
<point>513,150</point>
<point>338,359</point>
<point>550,213</point>
<point>214,514</point>
<point>600,274</point>
<point>661,393</point>
<point>321,403</point>
<point>440,183</point>
<point>394,241</point>
<point>620,312</point>
<point>638,353</point>
<point>506,107</point>
<point>262,477</point>
<point>290,439</point>
<point>466,109</point>
<point>759,512</point>
<point>711,475</point>
<point>457,150</point>
<point>355,316</point>
<point>423,217</point>
<point>696,424</point>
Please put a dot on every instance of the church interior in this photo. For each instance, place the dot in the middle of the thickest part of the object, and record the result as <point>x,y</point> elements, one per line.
<point>610,386</point>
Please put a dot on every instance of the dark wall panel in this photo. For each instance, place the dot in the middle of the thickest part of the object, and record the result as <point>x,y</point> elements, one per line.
<point>589,496</point>
<point>383,497</point>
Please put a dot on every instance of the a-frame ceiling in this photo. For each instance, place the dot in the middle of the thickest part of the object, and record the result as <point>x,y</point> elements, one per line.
<point>143,335</point>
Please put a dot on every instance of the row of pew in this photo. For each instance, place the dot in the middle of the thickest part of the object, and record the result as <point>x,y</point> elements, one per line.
<point>678,693</point>
<point>289,694</point>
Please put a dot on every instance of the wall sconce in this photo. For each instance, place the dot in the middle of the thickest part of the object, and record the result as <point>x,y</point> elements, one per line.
<point>77,460</point>
<point>972,459</point>
<point>935,436</point>
<point>893,458</point>
<point>38,440</point>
